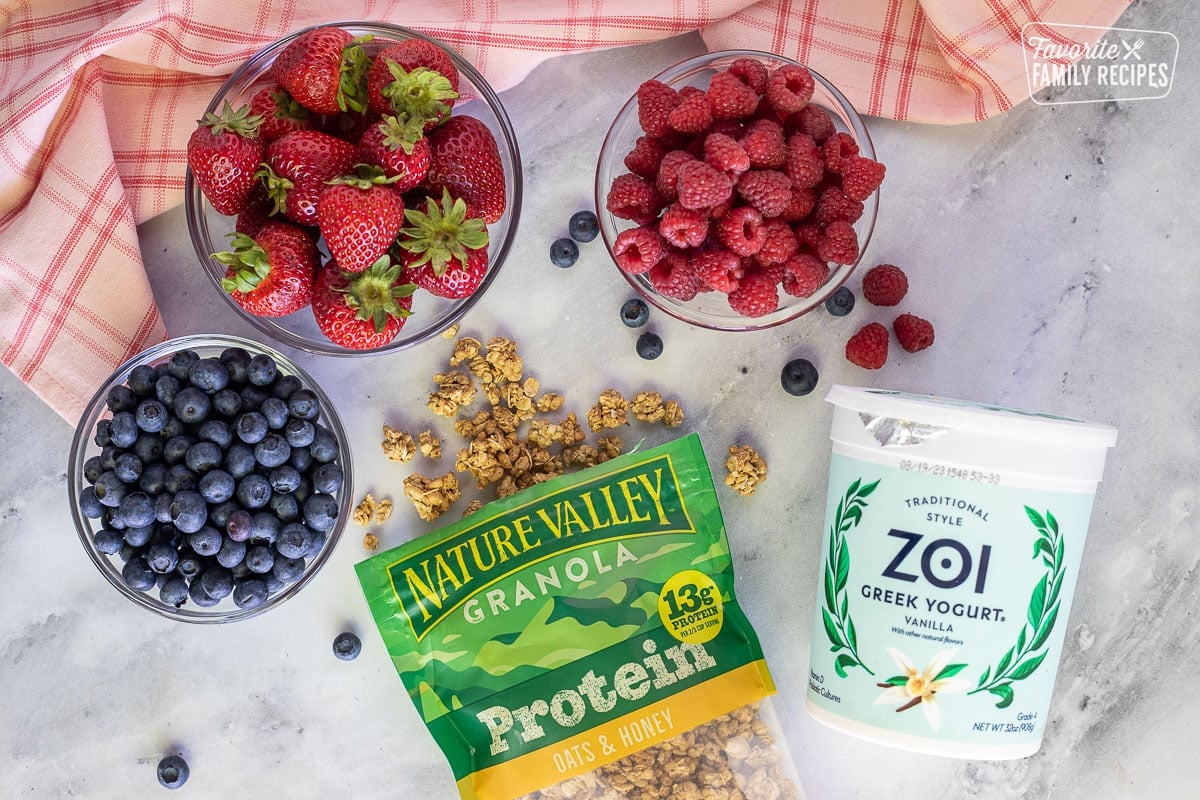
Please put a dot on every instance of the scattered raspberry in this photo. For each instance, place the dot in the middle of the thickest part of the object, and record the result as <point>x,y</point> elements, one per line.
<point>813,121</point>
<point>755,296</point>
<point>683,227</point>
<point>834,205</point>
<point>718,269</point>
<point>913,333</point>
<point>701,186</point>
<point>692,115</point>
<point>802,202</point>
<point>673,276</point>
<point>861,177</point>
<point>804,274</point>
<point>779,243</point>
<point>837,147</point>
<point>722,152</point>
<point>839,243</point>
<point>646,155</point>
<point>885,285</point>
<point>636,250</point>
<point>805,163</point>
<point>741,230</point>
<point>763,143</point>
<point>729,98</point>
<point>655,103</point>
<point>633,197</point>
<point>767,190</point>
<point>668,173</point>
<point>868,348</point>
<point>789,89</point>
<point>751,72</point>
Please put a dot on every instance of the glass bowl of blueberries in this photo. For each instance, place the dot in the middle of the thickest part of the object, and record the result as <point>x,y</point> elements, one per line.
<point>209,478</point>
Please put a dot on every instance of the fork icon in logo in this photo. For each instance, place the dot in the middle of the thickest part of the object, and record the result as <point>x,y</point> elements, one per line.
<point>1132,49</point>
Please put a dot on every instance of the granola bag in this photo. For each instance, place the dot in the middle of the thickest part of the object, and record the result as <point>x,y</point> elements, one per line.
<point>581,639</point>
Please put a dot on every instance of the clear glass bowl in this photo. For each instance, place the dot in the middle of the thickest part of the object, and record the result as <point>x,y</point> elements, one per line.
<point>83,447</point>
<point>210,230</point>
<point>711,310</point>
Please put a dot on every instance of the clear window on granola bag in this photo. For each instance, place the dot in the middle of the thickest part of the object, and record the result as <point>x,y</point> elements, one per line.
<point>581,639</point>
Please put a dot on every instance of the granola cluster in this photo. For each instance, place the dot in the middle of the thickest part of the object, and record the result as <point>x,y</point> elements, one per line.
<point>745,469</point>
<point>733,757</point>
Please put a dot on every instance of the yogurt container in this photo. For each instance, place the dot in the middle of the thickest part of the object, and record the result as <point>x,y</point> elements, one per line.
<point>952,540</point>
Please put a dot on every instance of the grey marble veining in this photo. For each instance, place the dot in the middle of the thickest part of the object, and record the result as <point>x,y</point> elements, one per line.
<point>1053,247</point>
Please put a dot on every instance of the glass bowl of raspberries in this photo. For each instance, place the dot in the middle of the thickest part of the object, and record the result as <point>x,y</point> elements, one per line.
<point>353,188</point>
<point>209,478</point>
<point>737,190</point>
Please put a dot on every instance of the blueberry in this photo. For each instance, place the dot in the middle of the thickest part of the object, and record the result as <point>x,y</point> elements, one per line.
<point>275,411</point>
<point>138,536</point>
<point>239,570</point>
<point>260,558</point>
<point>108,541</point>
<point>272,451</point>
<point>121,398</point>
<point>327,478</point>
<point>286,386</point>
<point>162,506</point>
<point>236,361</point>
<point>127,552</point>
<point>216,486</point>
<point>124,429</point>
<point>293,540</point>
<point>174,591</point>
<point>167,533</point>
<point>841,302</point>
<point>239,460</point>
<point>315,544</point>
<point>162,558</point>
<point>301,492</point>
<point>179,479</point>
<point>299,432</point>
<point>251,427</point>
<point>137,574</point>
<point>635,313</point>
<point>150,415</point>
<point>217,582</point>
<point>261,370</point>
<point>189,512</point>
<point>202,456</point>
<point>304,404</point>
<point>92,469</point>
<point>128,467</point>
<point>254,491</point>
<point>173,771</point>
<point>649,345</point>
<point>250,593</point>
<point>103,435</point>
<point>110,489</point>
<point>301,458</point>
<point>325,446</point>
<point>173,428</point>
<point>264,527</point>
<point>208,375</point>
<point>165,389</point>
<point>89,505</point>
<point>285,507</point>
<point>175,449</point>
<point>181,362</point>
<point>320,511</point>
<point>347,646</point>
<point>799,377</point>
<point>108,456</point>
<point>190,564</point>
<point>141,380</point>
<point>239,526</point>
<point>288,570</point>
<point>252,397</point>
<point>284,478</point>
<point>206,541</point>
<point>227,402</point>
<point>152,478</point>
<point>137,509</point>
<point>216,431</point>
<point>231,553</point>
<point>192,405</point>
<point>199,596</point>
<point>273,583</point>
<point>149,447</point>
<point>583,226</point>
<point>564,252</point>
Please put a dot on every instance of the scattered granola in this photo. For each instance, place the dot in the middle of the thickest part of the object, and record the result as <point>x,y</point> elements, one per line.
<point>364,512</point>
<point>648,407</point>
<point>472,506</point>
<point>450,332</point>
<point>465,349</point>
<point>610,411</point>
<point>429,445</point>
<point>746,469</point>
<point>398,445</point>
<point>502,354</point>
<point>455,391</point>
<point>672,414</point>
<point>370,541</point>
<point>431,496</point>
<point>383,511</point>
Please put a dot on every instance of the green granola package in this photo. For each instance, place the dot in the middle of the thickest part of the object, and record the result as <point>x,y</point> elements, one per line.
<point>581,639</point>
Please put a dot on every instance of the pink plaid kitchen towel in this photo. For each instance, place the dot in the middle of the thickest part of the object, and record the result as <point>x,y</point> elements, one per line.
<point>98,97</point>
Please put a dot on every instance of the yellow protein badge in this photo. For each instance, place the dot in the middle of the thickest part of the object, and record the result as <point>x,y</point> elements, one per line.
<point>690,607</point>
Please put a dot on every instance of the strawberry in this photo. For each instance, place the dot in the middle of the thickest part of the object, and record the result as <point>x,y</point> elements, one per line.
<point>360,216</point>
<point>271,274</point>
<point>445,248</point>
<point>361,310</point>
<point>465,160</point>
<point>224,153</point>
<point>297,166</point>
<point>393,85</point>
<point>325,69</point>
<point>280,113</point>
<point>397,146</point>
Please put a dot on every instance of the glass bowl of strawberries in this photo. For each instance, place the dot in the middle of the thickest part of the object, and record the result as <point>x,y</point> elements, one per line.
<point>353,188</point>
<point>737,190</point>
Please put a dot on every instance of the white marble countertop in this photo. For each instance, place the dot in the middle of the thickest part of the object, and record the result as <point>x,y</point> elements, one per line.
<point>1053,247</point>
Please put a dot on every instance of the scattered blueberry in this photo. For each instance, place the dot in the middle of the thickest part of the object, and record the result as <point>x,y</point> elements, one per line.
<point>347,646</point>
<point>635,313</point>
<point>173,771</point>
<point>325,446</point>
<point>236,361</point>
<point>299,432</point>
<point>583,226</point>
<point>239,460</point>
<point>198,596</point>
<point>564,252</point>
<point>841,302</point>
<point>649,345</point>
<point>92,469</point>
<point>216,431</point>
<point>799,377</point>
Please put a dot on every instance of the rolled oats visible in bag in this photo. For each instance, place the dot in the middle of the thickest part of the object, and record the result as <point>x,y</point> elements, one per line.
<point>581,639</point>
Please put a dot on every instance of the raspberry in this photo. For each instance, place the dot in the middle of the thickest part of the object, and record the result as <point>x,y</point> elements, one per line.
<point>655,102</point>
<point>805,163</point>
<point>633,197</point>
<point>763,143</point>
<point>673,276</point>
<point>729,98</point>
<point>837,147</point>
<point>813,121</point>
<point>636,250</point>
<point>767,190</point>
<point>860,177</point>
<point>834,206</point>
<point>913,333</point>
<point>692,115</point>
<point>779,243</point>
<point>741,230</point>
<point>668,173</point>
<point>801,204</point>
<point>730,127</point>
<point>773,271</point>
<point>804,274</point>
<point>868,348</point>
<point>646,155</point>
<point>724,153</point>
<point>683,227</point>
<point>755,296</point>
<point>839,243</point>
<point>701,186</point>
<point>789,89</point>
<point>751,72</point>
<point>718,269</point>
<point>885,285</point>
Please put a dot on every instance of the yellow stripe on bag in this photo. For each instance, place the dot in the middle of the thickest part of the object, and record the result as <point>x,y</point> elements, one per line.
<point>622,736</point>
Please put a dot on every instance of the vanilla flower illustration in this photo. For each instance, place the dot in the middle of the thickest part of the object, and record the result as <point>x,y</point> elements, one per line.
<point>920,687</point>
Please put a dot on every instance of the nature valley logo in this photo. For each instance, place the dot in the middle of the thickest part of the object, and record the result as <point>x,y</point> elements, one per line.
<point>643,499</point>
